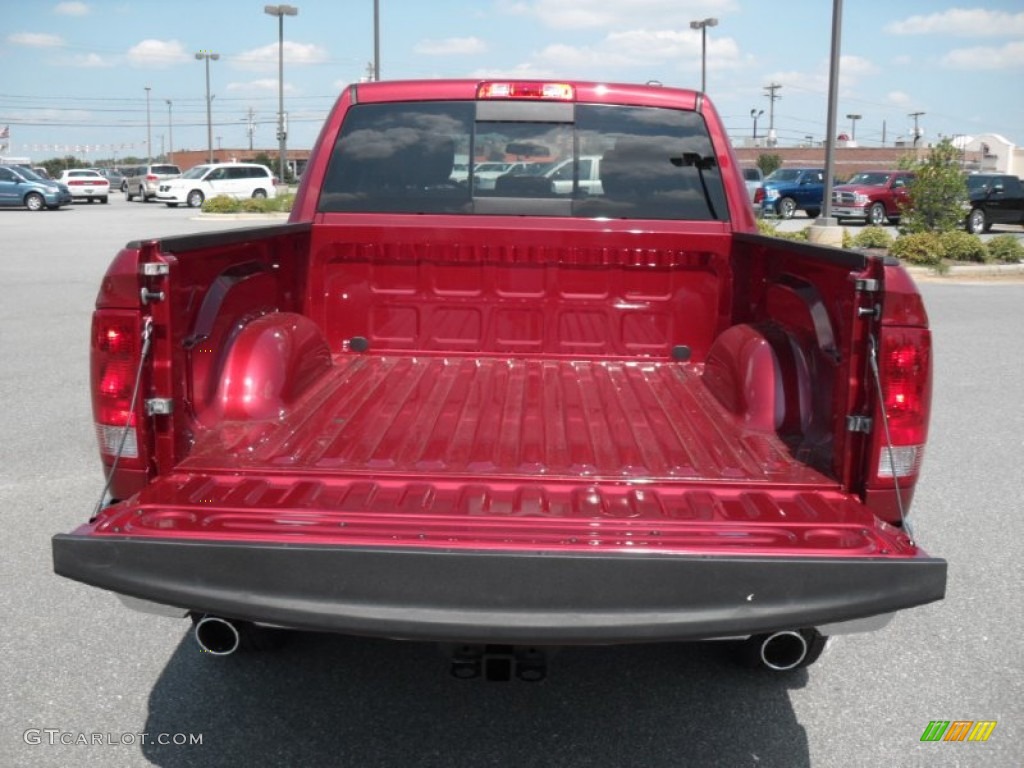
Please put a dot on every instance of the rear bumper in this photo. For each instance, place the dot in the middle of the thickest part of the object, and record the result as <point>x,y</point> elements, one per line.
<point>523,597</point>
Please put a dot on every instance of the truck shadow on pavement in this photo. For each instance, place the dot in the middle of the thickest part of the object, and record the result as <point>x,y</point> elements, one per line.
<point>331,700</point>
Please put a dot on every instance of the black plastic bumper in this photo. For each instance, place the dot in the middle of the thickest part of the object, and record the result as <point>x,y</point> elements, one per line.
<point>540,597</point>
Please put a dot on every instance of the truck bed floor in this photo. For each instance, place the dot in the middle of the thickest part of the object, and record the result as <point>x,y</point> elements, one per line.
<point>498,417</point>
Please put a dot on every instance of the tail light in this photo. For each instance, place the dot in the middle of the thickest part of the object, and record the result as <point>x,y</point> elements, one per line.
<point>526,90</point>
<point>898,440</point>
<point>152,177</point>
<point>759,194</point>
<point>116,348</point>
<point>905,369</point>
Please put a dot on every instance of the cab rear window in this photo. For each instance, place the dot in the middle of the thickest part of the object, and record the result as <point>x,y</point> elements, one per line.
<point>581,160</point>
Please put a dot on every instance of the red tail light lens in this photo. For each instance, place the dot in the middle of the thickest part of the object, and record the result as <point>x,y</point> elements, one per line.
<point>116,346</point>
<point>152,177</point>
<point>905,369</point>
<point>759,194</point>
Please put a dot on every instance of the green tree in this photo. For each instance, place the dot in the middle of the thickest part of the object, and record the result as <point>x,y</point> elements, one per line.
<point>768,163</point>
<point>937,191</point>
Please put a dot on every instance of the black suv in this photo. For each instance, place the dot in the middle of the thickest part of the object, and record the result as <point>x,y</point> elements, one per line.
<point>995,198</point>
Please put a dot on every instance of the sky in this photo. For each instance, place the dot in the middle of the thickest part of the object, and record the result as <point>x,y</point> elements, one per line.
<point>76,73</point>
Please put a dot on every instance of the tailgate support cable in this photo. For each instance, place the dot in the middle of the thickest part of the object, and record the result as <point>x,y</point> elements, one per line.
<point>147,337</point>
<point>873,359</point>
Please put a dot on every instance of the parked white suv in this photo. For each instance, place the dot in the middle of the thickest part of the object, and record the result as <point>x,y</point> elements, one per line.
<point>237,180</point>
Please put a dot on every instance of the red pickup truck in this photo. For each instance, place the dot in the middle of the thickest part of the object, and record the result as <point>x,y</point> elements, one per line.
<point>511,417</point>
<point>874,197</point>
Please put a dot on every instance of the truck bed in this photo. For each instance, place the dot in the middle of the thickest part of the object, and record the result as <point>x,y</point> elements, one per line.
<point>416,416</point>
<point>492,452</point>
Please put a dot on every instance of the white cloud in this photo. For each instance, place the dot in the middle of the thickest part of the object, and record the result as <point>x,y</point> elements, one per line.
<point>527,71</point>
<point>158,54</point>
<point>1010,56</point>
<point>91,61</point>
<point>590,14</point>
<point>265,57</point>
<point>961,22</point>
<point>856,66</point>
<point>451,46</point>
<point>897,98</point>
<point>71,9</point>
<point>35,40</point>
<point>658,53</point>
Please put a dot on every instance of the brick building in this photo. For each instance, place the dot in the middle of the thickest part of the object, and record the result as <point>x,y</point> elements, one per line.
<point>848,160</point>
<point>185,159</point>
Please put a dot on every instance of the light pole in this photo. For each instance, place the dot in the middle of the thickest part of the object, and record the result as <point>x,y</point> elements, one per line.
<point>756,113</point>
<point>917,131</point>
<point>376,40</point>
<point>207,56</point>
<point>853,126</point>
<point>149,141</point>
<point>826,219</point>
<point>282,130</point>
<point>703,27</point>
<point>170,134</point>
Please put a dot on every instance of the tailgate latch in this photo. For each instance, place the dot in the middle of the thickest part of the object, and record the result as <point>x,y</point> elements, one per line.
<point>858,423</point>
<point>159,406</point>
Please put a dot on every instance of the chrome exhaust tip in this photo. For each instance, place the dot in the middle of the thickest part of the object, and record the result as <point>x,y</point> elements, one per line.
<point>783,651</point>
<point>218,636</point>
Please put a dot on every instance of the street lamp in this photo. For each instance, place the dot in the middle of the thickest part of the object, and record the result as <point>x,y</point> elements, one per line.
<point>917,131</point>
<point>853,126</point>
<point>376,40</point>
<point>170,134</point>
<point>703,27</point>
<point>282,130</point>
<point>756,113</point>
<point>207,56</point>
<point>149,142</point>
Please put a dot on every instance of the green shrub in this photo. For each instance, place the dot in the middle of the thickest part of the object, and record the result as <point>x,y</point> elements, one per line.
<point>221,204</point>
<point>767,227</point>
<point>225,204</point>
<point>918,248</point>
<point>872,237</point>
<point>1006,249</point>
<point>938,191</point>
<point>963,246</point>
<point>768,163</point>
<point>255,205</point>
<point>848,239</point>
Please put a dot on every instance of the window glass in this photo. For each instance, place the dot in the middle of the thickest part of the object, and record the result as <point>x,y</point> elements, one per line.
<point>597,161</point>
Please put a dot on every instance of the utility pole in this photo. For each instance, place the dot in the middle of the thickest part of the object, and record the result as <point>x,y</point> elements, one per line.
<point>170,133</point>
<point>772,98</point>
<point>149,130</point>
<point>251,128</point>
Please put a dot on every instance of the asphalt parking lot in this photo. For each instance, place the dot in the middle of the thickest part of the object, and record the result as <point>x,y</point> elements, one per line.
<point>75,662</point>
